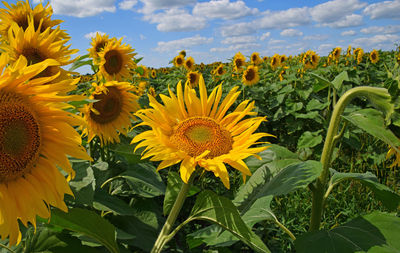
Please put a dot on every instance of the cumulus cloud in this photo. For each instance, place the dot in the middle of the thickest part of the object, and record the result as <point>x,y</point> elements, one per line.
<point>223,9</point>
<point>320,37</point>
<point>347,21</point>
<point>264,36</point>
<point>127,4</point>
<point>82,9</point>
<point>385,9</point>
<point>283,19</point>
<point>348,33</point>
<point>238,29</point>
<point>176,20</point>
<point>383,41</point>
<point>150,6</point>
<point>93,34</point>
<point>291,33</point>
<point>332,11</point>
<point>325,49</point>
<point>239,40</point>
<point>246,47</point>
<point>276,42</point>
<point>173,45</point>
<point>389,29</point>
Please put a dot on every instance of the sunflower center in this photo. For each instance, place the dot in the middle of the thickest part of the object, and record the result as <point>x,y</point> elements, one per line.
<point>193,78</point>
<point>198,134</point>
<point>238,63</point>
<point>33,55</point>
<point>109,106</point>
<point>113,63</point>
<point>373,56</point>
<point>100,46</point>
<point>19,138</point>
<point>189,64</point>
<point>250,74</point>
<point>220,71</point>
<point>179,61</point>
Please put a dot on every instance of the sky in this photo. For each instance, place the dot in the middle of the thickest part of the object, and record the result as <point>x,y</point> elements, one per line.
<point>214,30</point>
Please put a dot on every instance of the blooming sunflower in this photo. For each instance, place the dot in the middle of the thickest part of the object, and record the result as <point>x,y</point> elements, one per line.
<point>360,55</point>
<point>336,53</point>
<point>179,60</point>
<point>116,61</point>
<point>153,73</point>
<point>198,131</point>
<point>275,61</point>
<point>21,12</point>
<point>112,113</point>
<point>189,64</point>
<point>36,136</point>
<point>183,52</point>
<point>193,78</point>
<point>348,53</point>
<point>282,60</point>
<point>250,75</point>
<point>238,62</point>
<point>98,43</point>
<point>255,58</point>
<point>374,56</point>
<point>219,71</point>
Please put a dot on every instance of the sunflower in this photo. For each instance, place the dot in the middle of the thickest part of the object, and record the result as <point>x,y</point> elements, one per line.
<point>255,58</point>
<point>36,136</point>
<point>21,12</point>
<point>310,60</point>
<point>153,73</point>
<point>360,55</point>
<point>283,72</point>
<point>152,92</point>
<point>238,62</point>
<point>348,53</point>
<point>374,56</point>
<point>250,75</point>
<point>219,71</point>
<point>112,113</point>
<point>38,46</point>
<point>282,60</point>
<point>179,60</point>
<point>198,131</point>
<point>116,61</point>
<point>336,53</point>
<point>193,78</point>
<point>275,61</point>
<point>183,53</point>
<point>98,43</point>
<point>189,64</point>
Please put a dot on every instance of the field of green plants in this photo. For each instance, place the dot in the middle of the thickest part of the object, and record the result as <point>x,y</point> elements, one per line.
<point>255,153</point>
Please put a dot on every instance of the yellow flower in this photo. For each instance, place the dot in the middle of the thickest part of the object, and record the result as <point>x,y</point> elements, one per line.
<point>336,53</point>
<point>392,152</point>
<point>98,43</point>
<point>36,136</point>
<point>374,56</point>
<point>250,75</point>
<point>194,130</point>
<point>283,72</point>
<point>219,71</point>
<point>153,73</point>
<point>275,61</point>
<point>193,78</point>
<point>189,63</point>
<point>152,92</point>
<point>179,60</point>
<point>310,60</point>
<point>255,58</point>
<point>238,62</point>
<point>348,53</point>
<point>116,61</point>
<point>360,55</point>
<point>112,114</point>
<point>282,61</point>
<point>183,53</point>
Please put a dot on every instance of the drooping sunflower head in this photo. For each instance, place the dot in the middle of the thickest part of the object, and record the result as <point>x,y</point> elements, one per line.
<point>111,115</point>
<point>189,64</point>
<point>21,12</point>
<point>35,138</point>
<point>179,60</point>
<point>98,43</point>
<point>116,61</point>
<point>194,130</point>
<point>250,75</point>
<point>238,62</point>
<point>255,58</point>
<point>374,56</point>
<point>193,78</point>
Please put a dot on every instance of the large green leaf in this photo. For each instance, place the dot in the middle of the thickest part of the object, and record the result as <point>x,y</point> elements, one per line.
<point>339,79</point>
<point>388,197</point>
<point>221,211</point>
<point>84,183</point>
<point>104,201</point>
<point>375,232</point>
<point>309,139</point>
<point>322,82</point>
<point>372,121</point>
<point>88,223</point>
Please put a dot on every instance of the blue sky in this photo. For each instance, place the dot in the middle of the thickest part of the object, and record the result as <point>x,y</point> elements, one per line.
<point>214,30</point>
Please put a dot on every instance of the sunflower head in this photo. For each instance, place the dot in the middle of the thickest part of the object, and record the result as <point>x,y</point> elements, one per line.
<point>193,130</point>
<point>348,53</point>
<point>282,60</point>
<point>193,78</point>
<point>238,62</point>
<point>336,53</point>
<point>179,60</point>
<point>360,55</point>
<point>189,64</point>
<point>183,53</point>
<point>112,113</point>
<point>98,43</point>
<point>219,71</point>
<point>153,73</point>
<point>255,58</point>
<point>116,61</point>
<point>152,92</point>
<point>250,75</point>
<point>374,56</point>
<point>275,61</point>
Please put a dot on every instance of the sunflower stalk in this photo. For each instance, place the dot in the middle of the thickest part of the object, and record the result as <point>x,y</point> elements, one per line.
<point>7,248</point>
<point>318,200</point>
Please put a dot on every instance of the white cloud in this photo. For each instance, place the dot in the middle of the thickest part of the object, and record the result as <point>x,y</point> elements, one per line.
<point>276,42</point>
<point>238,29</point>
<point>264,36</point>
<point>320,37</point>
<point>173,45</point>
<point>325,49</point>
<point>332,11</point>
<point>348,33</point>
<point>176,20</point>
<point>239,40</point>
<point>223,9</point>
<point>389,29</point>
<point>150,6</point>
<point>142,37</point>
<point>347,21</point>
<point>127,4</point>
<point>291,33</point>
<point>93,34</point>
<point>247,47</point>
<point>382,41</point>
<point>385,9</point>
<point>283,19</point>
<point>82,9</point>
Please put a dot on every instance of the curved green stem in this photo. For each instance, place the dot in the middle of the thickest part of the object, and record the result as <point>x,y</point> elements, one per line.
<point>330,141</point>
<point>7,248</point>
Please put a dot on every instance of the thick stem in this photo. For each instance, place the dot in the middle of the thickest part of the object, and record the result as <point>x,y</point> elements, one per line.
<point>330,140</point>
<point>7,248</point>
<point>163,237</point>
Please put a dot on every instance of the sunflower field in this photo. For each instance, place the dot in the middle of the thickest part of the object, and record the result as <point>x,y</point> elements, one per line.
<point>255,154</point>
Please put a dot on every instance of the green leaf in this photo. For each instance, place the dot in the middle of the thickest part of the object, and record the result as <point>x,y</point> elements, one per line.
<point>315,104</point>
<point>221,211</point>
<point>309,139</point>
<point>84,183</point>
<point>88,223</point>
<point>79,63</point>
<point>106,202</point>
<point>372,121</point>
<point>375,232</point>
<point>339,79</point>
<point>322,82</point>
<point>388,197</point>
